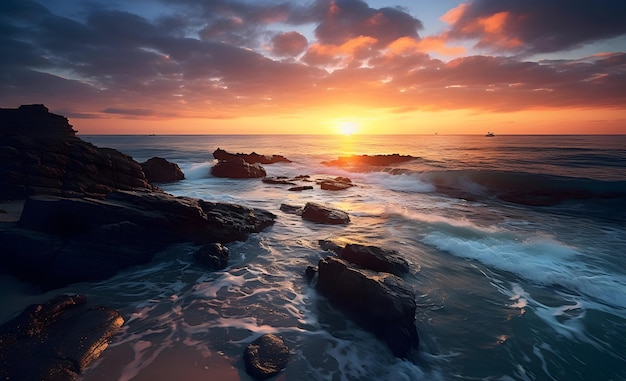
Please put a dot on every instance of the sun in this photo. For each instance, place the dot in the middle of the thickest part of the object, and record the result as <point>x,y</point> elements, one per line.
<point>348,128</point>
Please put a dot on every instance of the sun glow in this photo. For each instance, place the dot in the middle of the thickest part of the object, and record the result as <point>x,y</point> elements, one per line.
<point>348,128</point>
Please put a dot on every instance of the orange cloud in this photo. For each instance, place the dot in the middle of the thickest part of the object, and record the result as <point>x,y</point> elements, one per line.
<point>409,45</point>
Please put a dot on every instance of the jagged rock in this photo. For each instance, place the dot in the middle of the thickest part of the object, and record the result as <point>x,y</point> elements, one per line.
<point>367,160</point>
<point>237,168</point>
<point>381,302</point>
<point>214,256</point>
<point>266,356</point>
<point>40,154</point>
<point>55,340</point>
<point>328,245</point>
<point>300,188</point>
<point>159,170</point>
<point>291,209</point>
<point>375,258</point>
<point>59,241</point>
<point>324,215</point>
<point>277,181</point>
<point>253,158</point>
<point>338,183</point>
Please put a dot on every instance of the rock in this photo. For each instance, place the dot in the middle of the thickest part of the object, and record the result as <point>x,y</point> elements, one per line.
<point>324,215</point>
<point>310,273</point>
<point>277,180</point>
<point>328,245</point>
<point>159,170</point>
<point>266,356</point>
<point>291,209</point>
<point>40,154</point>
<point>300,188</point>
<point>214,256</point>
<point>237,168</point>
<point>367,160</point>
<point>382,303</point>
<point>375,258</point>
<point>253,158</point>
<point>338,183</point>
<point>59,241</point>
<point>55,340</point>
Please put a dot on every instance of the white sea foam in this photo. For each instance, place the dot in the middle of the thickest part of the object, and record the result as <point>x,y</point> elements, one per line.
<point>195,171</point>
<point>540,259</point>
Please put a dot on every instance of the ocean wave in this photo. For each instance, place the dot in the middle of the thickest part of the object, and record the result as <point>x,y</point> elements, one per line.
<point>541,260</point>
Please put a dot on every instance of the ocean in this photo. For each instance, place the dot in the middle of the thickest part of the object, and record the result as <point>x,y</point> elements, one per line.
<point>516,245</point>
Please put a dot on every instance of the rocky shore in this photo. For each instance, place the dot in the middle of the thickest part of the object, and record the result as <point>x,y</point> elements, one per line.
<point>78,213</point>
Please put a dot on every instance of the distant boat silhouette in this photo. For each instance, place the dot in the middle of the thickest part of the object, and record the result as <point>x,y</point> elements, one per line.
<point>490,134</point>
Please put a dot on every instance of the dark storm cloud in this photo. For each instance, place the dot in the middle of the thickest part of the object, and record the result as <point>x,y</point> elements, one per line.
<point>117,63</point>
<point>348,19</point>
<point>538,26</point>
<point>289,44</point>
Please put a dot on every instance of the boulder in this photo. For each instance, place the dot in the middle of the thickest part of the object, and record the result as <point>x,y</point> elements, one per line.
<point>59,241</point>
<point>381,302</point>
<point>338,183</point>
<point>159,170</point>
<point>324,214</point>
<point>375,258</point>
<point>252,158</point>
<point>291,209</point>
<point>55,340</point>
<point>214,256</point>
<point>329,245</point>
<point>237,168</point>
<point>266,356</point>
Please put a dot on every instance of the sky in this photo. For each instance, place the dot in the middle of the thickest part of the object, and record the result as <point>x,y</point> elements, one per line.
<point>322,66</point>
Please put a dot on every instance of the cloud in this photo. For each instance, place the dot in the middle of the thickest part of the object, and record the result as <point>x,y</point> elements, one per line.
<point>536,26</point>
<point>348,19</point>
<point>116,63</point>
<point>289,44</point>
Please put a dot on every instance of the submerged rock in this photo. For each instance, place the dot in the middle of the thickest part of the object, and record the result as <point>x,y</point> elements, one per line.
<point>266,356</point>
<point>237,168</point>
<point>324,214</point>
<point>214,256</point>
<point>382,303</point>
<point>159,170</point>
<point>55,340</point>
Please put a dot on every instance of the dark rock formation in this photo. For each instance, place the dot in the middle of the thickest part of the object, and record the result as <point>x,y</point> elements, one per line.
<point>382,303</point>
<point>278,181</point>
<point>324,215</point>
<point>291,209</point>
<point>375,258</point>
<point>367,160</point>
<point>55,340</point>
<point>338,183</point>
<point>237,168</point>
<point>328,245</point>
<point>253,158</point>
<point>214,256</point>
<point>266,356</point>
<point>159,170</point>
<point>300,188</point>
<point>40,154</point>
<point>59,241</point>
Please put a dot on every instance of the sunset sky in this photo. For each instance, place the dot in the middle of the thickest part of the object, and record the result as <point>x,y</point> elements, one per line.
<point>255,66</point>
